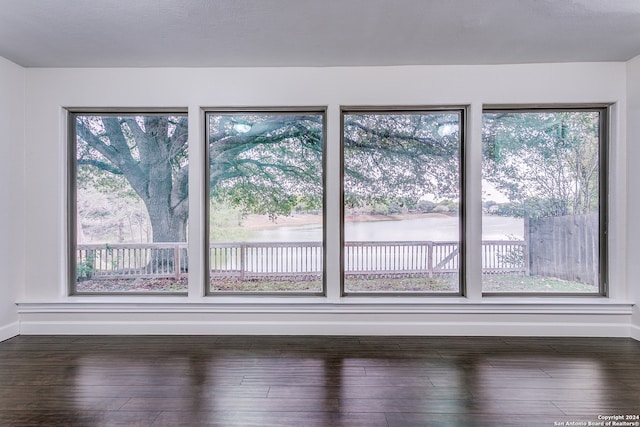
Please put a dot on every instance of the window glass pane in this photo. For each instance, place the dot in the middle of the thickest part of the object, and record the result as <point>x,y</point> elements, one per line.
<point>541,201</point>
<point>402,201</point>
<point>131,203</point>
<point>266,202</point>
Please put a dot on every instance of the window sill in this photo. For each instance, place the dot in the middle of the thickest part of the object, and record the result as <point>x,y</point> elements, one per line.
<point>456,305</point>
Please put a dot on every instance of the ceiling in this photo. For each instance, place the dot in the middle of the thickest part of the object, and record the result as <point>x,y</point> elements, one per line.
<point>265,33</point>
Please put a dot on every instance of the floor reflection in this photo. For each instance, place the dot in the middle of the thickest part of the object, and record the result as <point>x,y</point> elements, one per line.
<point>315,381</point>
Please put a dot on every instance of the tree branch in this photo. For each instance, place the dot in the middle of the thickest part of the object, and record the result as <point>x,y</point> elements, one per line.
<point>117,152</point>
<point>108,167</point>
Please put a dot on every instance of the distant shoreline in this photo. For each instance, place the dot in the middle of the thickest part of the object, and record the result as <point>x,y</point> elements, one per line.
<point>262,222</point>
<point>394,217</point>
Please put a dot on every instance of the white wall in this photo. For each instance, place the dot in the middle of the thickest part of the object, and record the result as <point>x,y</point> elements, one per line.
<point>45,307</point>
<point>633,147</point>
<point>12,85</point>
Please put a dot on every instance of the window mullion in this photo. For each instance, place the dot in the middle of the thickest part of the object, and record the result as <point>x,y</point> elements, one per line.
<point>473,199</point>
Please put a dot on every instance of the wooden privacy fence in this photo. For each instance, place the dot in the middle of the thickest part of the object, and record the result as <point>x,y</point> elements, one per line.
<point>300,260</point>
<point>566,247</point>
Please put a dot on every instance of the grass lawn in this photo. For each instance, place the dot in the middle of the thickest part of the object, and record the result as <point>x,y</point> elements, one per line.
<point>403,284</point>
<point>508,283</point>
<point>490,283</point>
<point>137,285</point>
<point>266,285</point>
<point>437,284</point>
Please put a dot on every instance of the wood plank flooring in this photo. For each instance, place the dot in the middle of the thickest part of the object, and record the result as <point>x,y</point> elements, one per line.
<point>316,381</point>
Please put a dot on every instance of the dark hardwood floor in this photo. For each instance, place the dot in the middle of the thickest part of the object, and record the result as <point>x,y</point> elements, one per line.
<point>316,381</point>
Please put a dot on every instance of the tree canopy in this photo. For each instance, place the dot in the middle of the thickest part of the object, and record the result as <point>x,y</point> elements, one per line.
<point>401,156</point>
<point>265,163</point>
<point>546,163</point>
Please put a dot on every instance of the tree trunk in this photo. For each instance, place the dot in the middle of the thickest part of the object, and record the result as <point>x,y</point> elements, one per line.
<point>168,226</point>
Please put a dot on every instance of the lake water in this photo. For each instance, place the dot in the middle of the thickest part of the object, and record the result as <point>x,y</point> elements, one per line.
<point>415,229</point>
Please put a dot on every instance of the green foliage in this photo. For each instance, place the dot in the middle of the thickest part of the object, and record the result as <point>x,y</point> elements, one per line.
<point>309,204</point>
<point>396,206</point>
<point>399,157</point>
<point>513,257</point>
<point>267,163</point>
<point>254,198</point>
<point>425,206</point>
<point>452,206</point>
<point>379,209</point>
<point>515,210</point>
<point>269,167</point>
<point>85,268</point>
<point>546,163</point>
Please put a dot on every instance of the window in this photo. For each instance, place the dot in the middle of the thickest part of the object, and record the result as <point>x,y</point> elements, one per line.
<point>544,201</point>
<point>266,201</point>
<point>129,210</point>
<point>402,192</point>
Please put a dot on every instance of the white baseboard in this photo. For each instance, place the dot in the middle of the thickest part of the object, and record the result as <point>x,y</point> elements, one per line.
<point>635,332</point>
<point>580,320</point>
<point>322,328</point>
<point>9,331</point>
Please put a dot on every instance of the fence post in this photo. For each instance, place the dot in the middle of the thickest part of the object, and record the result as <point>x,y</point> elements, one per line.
<point>93,268</point>
<point>527,246</point>
<point>243,249</point>
<point>430,259</point>
<point>176,260</point>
